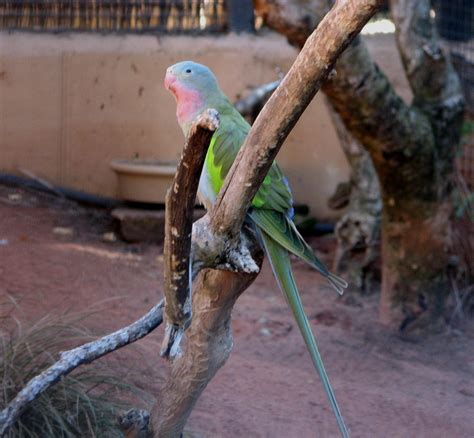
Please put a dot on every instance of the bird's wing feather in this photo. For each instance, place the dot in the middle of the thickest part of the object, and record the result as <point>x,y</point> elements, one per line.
<point>274,193</point>
<point>280,262</point>
<point>273,203</point>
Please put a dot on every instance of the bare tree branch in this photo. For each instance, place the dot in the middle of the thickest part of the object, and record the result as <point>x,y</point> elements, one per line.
<point>312,66</point>
<point>180,202</point>
<point>251,105</point>
<point>70,360</point>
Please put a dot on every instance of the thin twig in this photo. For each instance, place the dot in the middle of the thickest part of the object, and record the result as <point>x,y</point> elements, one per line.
<point>46,184</point>
<point>71,359</point>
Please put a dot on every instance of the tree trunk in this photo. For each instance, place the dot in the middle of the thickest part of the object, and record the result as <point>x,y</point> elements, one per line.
<point>412,148</point>
<point>208,346</point>
<point>358,230</point>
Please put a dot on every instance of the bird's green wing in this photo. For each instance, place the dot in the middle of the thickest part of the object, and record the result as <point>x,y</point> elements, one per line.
<point>274,193</point>
<point>280,262</point>
<point>282,229</point>
<point>273,203</point>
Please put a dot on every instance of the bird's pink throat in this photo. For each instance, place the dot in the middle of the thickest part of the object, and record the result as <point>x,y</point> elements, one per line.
<point>188,100</point>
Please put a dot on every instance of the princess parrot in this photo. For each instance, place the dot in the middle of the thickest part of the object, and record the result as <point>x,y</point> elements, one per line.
<point>195,89</point>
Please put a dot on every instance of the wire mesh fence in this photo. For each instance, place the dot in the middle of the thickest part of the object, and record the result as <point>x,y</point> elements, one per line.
<point>455,21</point>
<point>170,16</point>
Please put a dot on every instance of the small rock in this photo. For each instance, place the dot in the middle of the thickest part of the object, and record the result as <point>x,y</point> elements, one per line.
<point>15,197</point>
<point>466,392</point>
<point>4,242</point>
<point>109,237</point>
<point>63,231</point>
<point>265,332</point>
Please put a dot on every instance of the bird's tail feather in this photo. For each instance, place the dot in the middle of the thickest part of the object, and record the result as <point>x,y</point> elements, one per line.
<point>283,230</point>
<point>280,262</point>
<point>337,282</point>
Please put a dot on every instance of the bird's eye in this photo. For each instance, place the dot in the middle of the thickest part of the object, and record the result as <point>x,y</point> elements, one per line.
<point>188,70</point>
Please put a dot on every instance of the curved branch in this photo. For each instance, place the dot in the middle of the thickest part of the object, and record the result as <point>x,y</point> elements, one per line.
<point>180,201</point>
<point>208,346</point>
<point>430,73</point>
<point>312,66</point>
<point>70,360</point>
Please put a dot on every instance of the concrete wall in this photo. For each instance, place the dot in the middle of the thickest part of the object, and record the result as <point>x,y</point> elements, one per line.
<point>69,104</point>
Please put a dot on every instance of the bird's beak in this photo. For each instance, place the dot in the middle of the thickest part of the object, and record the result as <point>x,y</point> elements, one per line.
<point>170,81</point>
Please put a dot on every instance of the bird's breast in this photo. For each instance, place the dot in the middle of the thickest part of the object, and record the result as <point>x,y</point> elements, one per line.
<point>206,193</point>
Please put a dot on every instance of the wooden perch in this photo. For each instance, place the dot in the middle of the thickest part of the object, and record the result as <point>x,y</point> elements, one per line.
<point>70,360</point>
<point>180,202</point>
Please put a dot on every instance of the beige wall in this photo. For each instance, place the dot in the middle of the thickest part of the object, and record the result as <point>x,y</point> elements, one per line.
<point>69,104</point>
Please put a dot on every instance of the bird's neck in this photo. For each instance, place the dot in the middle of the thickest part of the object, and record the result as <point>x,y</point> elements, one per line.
<point>191,103</point>
<point>187,109</point>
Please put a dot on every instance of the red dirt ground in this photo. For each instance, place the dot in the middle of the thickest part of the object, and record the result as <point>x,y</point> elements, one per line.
<point>386,387</point>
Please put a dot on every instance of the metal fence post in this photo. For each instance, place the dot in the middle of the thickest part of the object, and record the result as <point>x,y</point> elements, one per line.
<point>241,16</point>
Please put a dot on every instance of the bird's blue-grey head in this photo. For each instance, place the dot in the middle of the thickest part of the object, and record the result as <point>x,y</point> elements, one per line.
<point>194,87</point>
<point>191,75</point>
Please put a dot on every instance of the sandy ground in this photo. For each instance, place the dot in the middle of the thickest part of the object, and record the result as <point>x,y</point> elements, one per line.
<point>386,387</point>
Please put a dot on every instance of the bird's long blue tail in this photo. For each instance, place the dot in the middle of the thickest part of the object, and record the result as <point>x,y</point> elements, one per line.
<point>280,262</point>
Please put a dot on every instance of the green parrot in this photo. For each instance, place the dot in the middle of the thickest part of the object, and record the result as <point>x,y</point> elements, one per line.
<point>195,89</point>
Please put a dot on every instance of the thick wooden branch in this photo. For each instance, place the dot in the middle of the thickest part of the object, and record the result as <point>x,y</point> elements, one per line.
<point>71,359</point>
<point>282,111</point>
<point>436,87</point>
<point>180,202</point>
<point>431,76</point>
<point>208,345</point>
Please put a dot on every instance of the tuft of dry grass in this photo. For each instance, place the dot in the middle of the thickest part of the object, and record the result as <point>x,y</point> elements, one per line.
<point>85,403</point>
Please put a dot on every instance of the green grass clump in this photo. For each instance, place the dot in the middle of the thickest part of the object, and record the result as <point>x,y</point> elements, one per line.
<point>85,403</point>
